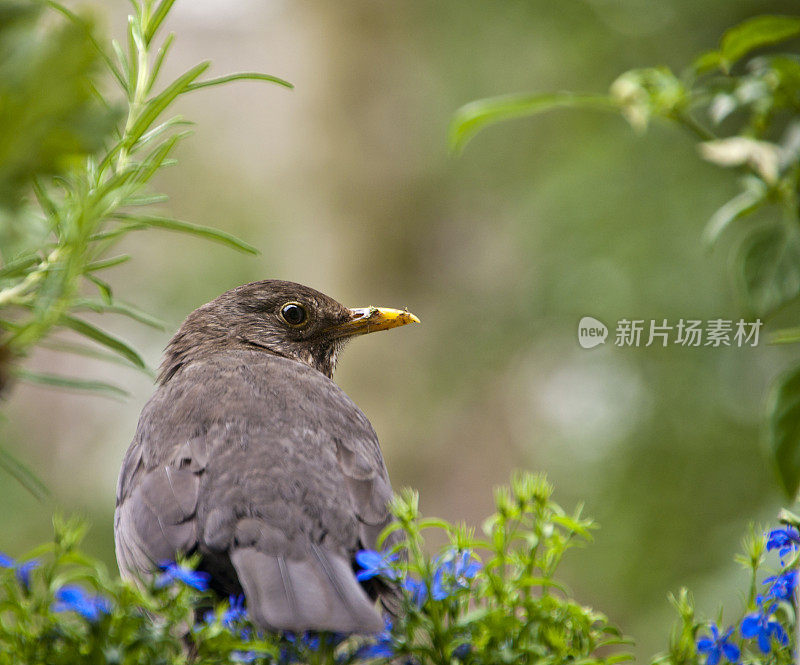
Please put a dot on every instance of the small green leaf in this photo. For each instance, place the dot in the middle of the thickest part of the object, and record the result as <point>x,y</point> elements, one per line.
<point>107,263</point>
<point>117,233</point>
<point>156,105</point>
<point>241,76</point>
<point>18,266</point>
<point>90,352</point>
<point>125,81</point>
<point>783,430</point>
<point>573,525</point>
<point>119,307</point>
<point>71,383</point>
<point>45,202</point>
<point>144,200</point>
<point>92,332</point>
<point>755,33</point>
<point>134,48</point>
<point>157,158</point>
<point>786,336</point>
<point>707,62</point>
<point>390,529</point>
<point>741,205</point>
<point>471,118</point>
<point>769,262</point>
<point>157,19</point>
<point>433,523</point>
<point>23,475</point>
<point>158,130</point>
<point>187,227</point>
<point>159,61</point>
<point>102,286</point>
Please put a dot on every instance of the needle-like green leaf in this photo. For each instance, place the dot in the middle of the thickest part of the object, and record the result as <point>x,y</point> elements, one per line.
<point>24,476</point>
<point>187,227</point>
<point>103,338</point>
<point>157,19</point>
<point>119,307</point>
<point>156,105</point>
<point>107,263</point>
<point>241,76</point>
<point>56,381</point>
<point>77,20</point>
<point>471,118</point>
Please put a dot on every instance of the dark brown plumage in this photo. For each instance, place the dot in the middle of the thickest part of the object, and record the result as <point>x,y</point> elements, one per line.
<point>251,456</point>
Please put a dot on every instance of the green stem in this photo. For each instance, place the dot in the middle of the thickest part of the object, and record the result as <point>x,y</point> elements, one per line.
<point>688,122</point>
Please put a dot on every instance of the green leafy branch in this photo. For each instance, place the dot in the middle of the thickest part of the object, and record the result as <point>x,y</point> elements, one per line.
<point>740,102</point>
<point>89,208</point>
<point>59,606</point>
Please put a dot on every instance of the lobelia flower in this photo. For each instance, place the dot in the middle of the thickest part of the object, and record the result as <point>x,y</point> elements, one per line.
<point>21,570</point>
<point>73,598</point>
<point>417,589</point>
<point>781,587</point>
<point>375,564</point>
<point>236,611</point>
<point>454,573</point>
<point>717,646</point>
<point>308,640</point>
<point>785,540</point>
<point>462,651</point>
<point>760,625</point>
<point>383,646</point>
<point>176,573</point>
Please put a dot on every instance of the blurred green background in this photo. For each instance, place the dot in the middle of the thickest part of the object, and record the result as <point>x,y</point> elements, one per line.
<point>345,184</point>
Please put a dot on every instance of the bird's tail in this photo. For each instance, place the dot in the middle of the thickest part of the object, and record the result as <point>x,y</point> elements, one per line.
<point>313,588</point>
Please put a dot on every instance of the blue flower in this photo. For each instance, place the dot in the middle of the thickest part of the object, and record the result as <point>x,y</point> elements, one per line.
<point>454,573</point>
<point>175,573</point>
<point>375,564</point>
<point>311,640</point>
<point>73,598</point>
<point>234,614</point>
<point>236,611</point>
<point>781,587</point>
<point>718,646</point>
<point>21,570</point>
<point>383,647</point>
<point>417,589</point>
<point>761,626</point>
<point>462,651</point>
<point>785,541</point>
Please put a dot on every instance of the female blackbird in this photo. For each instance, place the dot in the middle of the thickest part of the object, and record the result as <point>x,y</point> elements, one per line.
<point>249,455</point>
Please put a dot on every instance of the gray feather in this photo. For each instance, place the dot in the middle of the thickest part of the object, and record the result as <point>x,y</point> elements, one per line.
<point>268,470</point>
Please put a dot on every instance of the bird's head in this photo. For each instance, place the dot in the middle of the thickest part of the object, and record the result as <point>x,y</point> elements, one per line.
<point>283,318</point>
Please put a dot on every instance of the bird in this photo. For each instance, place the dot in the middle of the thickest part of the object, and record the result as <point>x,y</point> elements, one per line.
<point>250,457</point>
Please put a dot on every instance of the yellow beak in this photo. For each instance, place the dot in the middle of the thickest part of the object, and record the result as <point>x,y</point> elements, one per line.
<point>365,320</point>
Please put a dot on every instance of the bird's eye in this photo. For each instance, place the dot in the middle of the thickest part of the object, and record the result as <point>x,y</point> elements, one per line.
<point>294,314</point>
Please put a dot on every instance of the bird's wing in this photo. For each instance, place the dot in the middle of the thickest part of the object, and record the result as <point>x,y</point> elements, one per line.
<point>266,465</point>
<point>157,507</point>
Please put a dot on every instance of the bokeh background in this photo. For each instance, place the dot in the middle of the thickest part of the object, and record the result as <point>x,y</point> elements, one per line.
<point>346,184</point>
